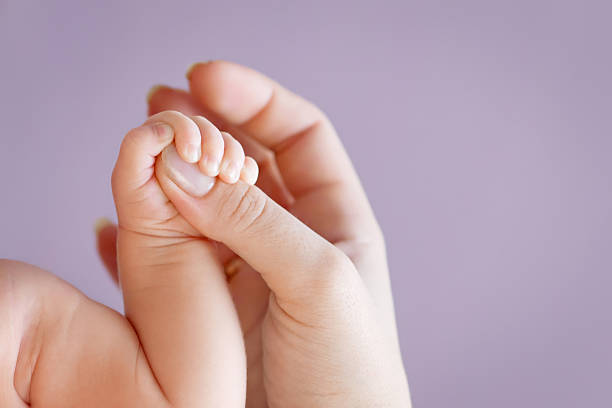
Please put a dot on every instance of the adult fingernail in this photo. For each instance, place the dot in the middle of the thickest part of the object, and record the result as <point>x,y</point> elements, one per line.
<point>186,175</point>
<point>152,92</point>
<point>193,66</point>
<point>101,223</point>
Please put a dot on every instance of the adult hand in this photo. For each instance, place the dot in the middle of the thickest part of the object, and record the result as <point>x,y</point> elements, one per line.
<point>312,293</point>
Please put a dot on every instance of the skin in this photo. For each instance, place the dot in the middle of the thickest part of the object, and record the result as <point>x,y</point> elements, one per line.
<point>179,343</point>
<point>310,285</point>
<point>308,297</point>
<point>168,270</point>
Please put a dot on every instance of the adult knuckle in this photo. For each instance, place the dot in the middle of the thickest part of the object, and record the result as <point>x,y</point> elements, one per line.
<point>334,293</point>
<point>337,271</point>
<point>338,261</point>
<point>243,208</point>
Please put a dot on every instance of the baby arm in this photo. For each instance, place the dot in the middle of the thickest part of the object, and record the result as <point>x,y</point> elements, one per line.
<point>180,343</point>
<point>62,349</point>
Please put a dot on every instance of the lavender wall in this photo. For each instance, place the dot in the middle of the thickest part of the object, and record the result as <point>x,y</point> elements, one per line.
<point>482,133</point>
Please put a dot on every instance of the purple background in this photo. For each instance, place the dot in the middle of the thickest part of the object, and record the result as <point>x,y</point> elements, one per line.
<point>482,133</point>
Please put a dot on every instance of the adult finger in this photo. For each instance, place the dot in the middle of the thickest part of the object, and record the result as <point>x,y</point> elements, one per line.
<point>163,98</point>
<point>106,243</point>
<point>299,266</point>
<point>308,151</point>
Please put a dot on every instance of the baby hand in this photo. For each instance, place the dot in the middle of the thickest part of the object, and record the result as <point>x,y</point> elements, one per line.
<point>194,144</point>
<point>174,287</point>
<point>180,343</point>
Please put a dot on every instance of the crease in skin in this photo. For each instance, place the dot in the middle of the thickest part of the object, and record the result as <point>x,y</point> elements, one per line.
<point>185,175</point>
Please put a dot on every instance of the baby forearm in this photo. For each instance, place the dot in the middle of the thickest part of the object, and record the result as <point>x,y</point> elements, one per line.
<point>178,304</point>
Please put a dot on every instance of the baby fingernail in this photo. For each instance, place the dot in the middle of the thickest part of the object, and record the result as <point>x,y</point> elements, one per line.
<point>234,173</point>
<point>210,165</point>
<point>230,171</point>
<point>192,153</point>
<point>186,175</point>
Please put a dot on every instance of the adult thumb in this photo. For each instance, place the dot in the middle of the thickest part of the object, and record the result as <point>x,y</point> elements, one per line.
<point>297,264</point>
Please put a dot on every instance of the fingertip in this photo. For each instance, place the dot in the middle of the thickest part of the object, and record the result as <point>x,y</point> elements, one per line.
<point>232,91</point>
<point>153,91</point>
<point>193,67</point>
<point>187,136</point>
<point>192,152</point>
<point>209,165</point>
<point>137,154</point>
<point>101,224</point>
<point>250,171</point>
<point>212,146</point>
<point>163,131</point>
<point>164,98</point>
<point>106,242</point>
<point>233,159</point>
<point>230,172</point>
<point>190,146</point>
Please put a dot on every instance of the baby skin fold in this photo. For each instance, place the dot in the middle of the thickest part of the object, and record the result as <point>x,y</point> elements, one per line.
<point>180,343</point>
